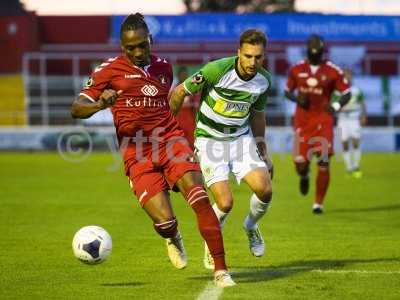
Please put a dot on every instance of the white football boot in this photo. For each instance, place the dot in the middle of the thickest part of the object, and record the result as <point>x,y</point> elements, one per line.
<point>256,241</point>
<point>176,251</point>
<point>223,279</point>
<point>208,260</point>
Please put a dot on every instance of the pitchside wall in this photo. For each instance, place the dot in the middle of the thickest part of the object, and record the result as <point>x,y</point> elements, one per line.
<point>385,139</point>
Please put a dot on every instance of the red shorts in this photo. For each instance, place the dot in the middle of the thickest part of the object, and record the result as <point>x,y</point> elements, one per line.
<point>316,140</point>
<point>159,170</point>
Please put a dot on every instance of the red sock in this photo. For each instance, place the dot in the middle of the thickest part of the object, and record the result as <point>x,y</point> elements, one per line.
<point>208,224</point>
<point>322,184</point>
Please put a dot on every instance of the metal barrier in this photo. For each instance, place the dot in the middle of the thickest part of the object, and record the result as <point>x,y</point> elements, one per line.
<point>48,97</point>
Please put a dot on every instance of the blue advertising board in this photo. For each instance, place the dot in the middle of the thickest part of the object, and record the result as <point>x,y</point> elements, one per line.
<point>292,27</point>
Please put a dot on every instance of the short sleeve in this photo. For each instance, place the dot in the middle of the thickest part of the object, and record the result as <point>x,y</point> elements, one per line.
<point>207,75</point>
<point>341,83</point>
<point>98,81</point>
<point>291,81</point>
<point>261,102</point>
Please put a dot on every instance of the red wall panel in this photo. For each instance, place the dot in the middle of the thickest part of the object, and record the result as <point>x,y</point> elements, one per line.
<point>74,29</point>
<point>18,34</point>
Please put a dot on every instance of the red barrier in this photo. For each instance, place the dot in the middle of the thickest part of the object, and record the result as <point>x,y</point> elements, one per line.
<point>74,29</point>
<point>18,34</point>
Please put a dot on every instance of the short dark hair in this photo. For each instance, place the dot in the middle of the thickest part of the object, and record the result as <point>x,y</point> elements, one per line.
<point>254,37</point>
<point>315,39</point>
<point>133,22</point>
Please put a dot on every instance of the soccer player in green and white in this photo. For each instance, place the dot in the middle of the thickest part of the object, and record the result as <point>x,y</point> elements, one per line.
<point>351,118</point>
<point>230,131</point>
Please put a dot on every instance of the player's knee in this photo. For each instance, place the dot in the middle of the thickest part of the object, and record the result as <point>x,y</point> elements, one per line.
<point>323,164</point>
<point>264,193</point>
<point>302,168</point>
<point>167,229</point>
<point>225,203</point>
<point>356,144</point>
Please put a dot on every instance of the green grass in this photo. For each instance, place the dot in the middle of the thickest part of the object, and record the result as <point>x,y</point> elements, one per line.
<point>44,200</point>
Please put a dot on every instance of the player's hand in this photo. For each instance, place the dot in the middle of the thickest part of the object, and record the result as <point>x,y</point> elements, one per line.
<point>332,108</point>
<point>302,101</point>
<point>269,164</point>
<point>329,109</point>
<point>363,120</point>
<point>271,171</point>
<point>108,98</point>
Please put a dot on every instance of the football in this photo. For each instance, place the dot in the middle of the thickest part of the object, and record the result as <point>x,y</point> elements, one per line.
<point>92,244</point>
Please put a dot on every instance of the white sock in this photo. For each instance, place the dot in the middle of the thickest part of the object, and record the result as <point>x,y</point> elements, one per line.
<point>347,160</point>
<point>316,205</point>
<point>356,158</point>
<point>220,215</point>
<point>257,210</point>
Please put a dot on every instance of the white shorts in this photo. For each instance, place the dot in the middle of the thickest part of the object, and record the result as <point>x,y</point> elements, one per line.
<point>220,158</point>
<point>349,128</point>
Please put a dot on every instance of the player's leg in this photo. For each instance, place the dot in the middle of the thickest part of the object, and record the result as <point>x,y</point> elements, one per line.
<point>347,157</point>
<point>345,130</point>
<point>213,157</point>
<point>303,170</point>
<point>301,161</point>
<point>322,184</point>
<point>356,137</point>
<point>160,211</point>
<point>186,176</point>
<point>323,148</point>
<point>222,195</point>
<point>191,186</point>
<point>356,158</point>
<point>248,165</point>
<point>259,182</point>
<point>214,163</point>
<point>150,188</point>
<point>223,204</point>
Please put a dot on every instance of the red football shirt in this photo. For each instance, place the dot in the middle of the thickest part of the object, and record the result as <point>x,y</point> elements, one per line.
<point>143,104</point>
<point>318,86</point>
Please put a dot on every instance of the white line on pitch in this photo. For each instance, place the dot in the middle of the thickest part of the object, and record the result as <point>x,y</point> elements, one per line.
<point>210,292</point>
<point>355,271</point>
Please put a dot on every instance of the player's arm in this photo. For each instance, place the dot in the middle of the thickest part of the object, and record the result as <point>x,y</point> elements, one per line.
<point>195,83</point>
<point>83,107</point>
<point>336,106</point>
<point>176,99</point>
<point>300,99</point>
<point>291,85</point>
<point>258,125</point>
<point>363,117</point>
<point>342,86</point>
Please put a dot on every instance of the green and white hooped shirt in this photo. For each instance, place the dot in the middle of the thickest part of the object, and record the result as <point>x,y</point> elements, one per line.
<point>226,99</point>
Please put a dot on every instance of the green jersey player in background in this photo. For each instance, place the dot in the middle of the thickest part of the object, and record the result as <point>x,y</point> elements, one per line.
<point>230,131</point>
<point>351,118</point>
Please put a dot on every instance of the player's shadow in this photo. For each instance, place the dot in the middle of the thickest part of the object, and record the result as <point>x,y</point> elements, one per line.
<point>255,274</point>
<point>266,273</point>
<point>365,209</point>
<point>123,284</point>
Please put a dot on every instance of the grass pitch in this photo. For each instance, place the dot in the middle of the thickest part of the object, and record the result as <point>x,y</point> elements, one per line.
<point>350,252</point>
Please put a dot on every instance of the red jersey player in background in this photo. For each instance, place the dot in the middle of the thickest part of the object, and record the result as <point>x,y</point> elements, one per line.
<point>157,158</point>
<point>315,80</point>
<point>187,115</point>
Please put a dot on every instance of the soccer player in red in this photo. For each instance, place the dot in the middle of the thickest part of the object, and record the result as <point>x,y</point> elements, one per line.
<point>315,79</point>
<point>157,158</point>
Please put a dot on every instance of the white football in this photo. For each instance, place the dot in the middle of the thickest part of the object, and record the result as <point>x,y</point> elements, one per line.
<point>92,244</point>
